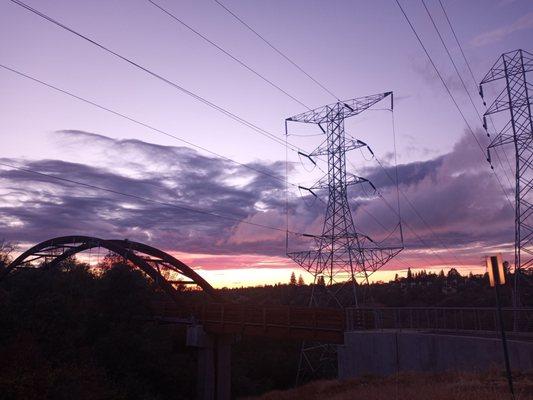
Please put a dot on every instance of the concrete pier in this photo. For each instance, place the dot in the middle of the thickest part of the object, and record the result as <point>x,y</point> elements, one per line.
<point>214,363</point>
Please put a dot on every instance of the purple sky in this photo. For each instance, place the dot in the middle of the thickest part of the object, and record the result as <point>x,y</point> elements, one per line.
<point>354,48</point>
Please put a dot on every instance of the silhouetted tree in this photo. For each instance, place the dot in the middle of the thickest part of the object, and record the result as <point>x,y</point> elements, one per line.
<point>292,281</point>
<point>320,281</point>
<point>453,274</point>
<point>6,249</point>
<point>300,280</point>
<point>111,260</point>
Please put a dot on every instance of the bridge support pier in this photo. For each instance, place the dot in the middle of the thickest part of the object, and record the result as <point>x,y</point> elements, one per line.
<point>214,363</point>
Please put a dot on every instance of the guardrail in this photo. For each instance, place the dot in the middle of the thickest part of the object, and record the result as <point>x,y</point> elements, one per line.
<point>329,324</point>
<point>281,322</point>
<point>485,319</point>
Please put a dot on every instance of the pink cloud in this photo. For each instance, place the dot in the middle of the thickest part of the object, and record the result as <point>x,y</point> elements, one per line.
<point>496,35</point>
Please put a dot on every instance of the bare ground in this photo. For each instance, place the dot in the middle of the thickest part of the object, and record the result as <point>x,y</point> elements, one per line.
<point>413,386</point>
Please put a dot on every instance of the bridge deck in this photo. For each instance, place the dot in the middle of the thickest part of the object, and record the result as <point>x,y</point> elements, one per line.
<point>279,322</point>
<point>329,324</point>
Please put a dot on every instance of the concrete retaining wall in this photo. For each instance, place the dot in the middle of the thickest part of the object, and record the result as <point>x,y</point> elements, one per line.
<point>385,352</point>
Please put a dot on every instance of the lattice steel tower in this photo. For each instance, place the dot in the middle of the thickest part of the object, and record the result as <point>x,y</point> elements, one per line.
<point>517,97</point>
<point>341,255</point>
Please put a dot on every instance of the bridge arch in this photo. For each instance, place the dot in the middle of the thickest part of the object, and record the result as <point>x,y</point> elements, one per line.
<point>148,259</point>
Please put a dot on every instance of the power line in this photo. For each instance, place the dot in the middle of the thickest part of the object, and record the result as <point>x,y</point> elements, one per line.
<point>451,59</point>
<point>422,241</point>
<point>143,124</point>
<point>229,114</point>
<point>398,191</point>
<point>475,85</point>
<point>381,224</point>
<point>450,95</point>
<point>459,74</point>
<point>458,42</point>
<point>151,128</point>
<point>397,213</point>
<point>418,237</point>
<point>385,228</point>
<point>417,214</point>
<point>240,62</point>
<point>439,75</point>
<point>220,109</point>
<point>241,20</point>
<point>501,165</point>
<point>145,199</point>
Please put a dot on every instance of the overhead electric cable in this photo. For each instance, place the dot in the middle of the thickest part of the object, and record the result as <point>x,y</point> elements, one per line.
<point>143,124</point>
<point>451,96</point>
<point>385,228</point>
<point>475,84</point>
<point>241,20</point>
<point>402,220</point>
<point>439,75</point>
<point>413,207</point>
<point>458,43</point>
<point>399,190</point>
<point>145,199</point>
<point>220,109</point>
<point>220,48</point>
<point>451,59</point>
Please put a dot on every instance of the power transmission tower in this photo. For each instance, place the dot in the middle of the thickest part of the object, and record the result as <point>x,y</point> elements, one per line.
<point>341,255</point>
<point>516,97</point>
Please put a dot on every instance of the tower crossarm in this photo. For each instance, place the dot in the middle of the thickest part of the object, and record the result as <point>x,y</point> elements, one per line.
<point>371,258</point>
<point>498,70</point>
<point>350,144</point>
<point>330,112</point>
<point>355,180</point>
<point>505,136</point>
<point>353,144</point>
<point>351,180</point>
<point>500,103</point>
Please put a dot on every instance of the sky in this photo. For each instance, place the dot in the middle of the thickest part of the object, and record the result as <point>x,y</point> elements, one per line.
<point>453,209</point>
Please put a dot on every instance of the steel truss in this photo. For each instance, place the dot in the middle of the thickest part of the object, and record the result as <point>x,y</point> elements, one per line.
<point>516,97</point>
<point>150,260</point>
<point>341,255</point>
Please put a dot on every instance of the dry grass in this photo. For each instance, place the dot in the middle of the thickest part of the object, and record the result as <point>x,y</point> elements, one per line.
<point>412,386</point>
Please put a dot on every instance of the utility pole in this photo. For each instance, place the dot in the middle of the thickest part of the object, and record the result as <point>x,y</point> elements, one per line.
<point>516,97</point>
<point>341,255</point>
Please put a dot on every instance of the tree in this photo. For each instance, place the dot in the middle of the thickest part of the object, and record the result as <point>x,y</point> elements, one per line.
<point>507,267</point>
<point>300,280</point>
<point>409,274</point>
<point>111,260</point>
<point>453,274</point>
<point>6,249</point>
<point>320,281</point>
<point>292,281</point>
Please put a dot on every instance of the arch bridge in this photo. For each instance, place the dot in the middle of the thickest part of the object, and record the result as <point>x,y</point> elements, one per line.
<point>217,316</point>
<point>150,260</point>
<point>212,326</point>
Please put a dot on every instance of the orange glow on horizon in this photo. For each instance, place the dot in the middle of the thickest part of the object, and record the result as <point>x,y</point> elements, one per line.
<point>246,270</point>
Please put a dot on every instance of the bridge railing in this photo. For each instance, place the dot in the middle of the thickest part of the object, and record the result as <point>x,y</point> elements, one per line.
<point>283,322</point>
<point>476,319</point>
